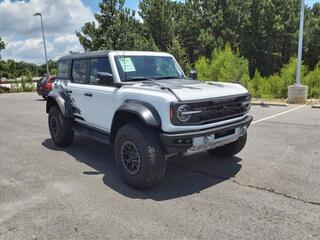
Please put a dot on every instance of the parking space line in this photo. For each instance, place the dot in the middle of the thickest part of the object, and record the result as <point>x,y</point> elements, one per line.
<point>276,115</point>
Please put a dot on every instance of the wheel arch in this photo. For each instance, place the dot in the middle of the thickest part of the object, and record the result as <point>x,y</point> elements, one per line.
<point>62,100</point>
<point>134,111</point>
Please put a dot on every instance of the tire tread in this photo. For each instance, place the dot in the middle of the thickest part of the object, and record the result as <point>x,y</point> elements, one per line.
<point>151,152</point>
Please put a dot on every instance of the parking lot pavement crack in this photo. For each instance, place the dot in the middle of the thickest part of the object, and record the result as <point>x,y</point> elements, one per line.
<point>247,185</point>
<point>275,192</point>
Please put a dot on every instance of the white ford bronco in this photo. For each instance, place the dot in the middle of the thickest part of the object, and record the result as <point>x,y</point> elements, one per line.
<point>142,103</point>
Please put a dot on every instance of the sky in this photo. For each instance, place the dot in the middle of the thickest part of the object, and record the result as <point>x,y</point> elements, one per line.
<point>21,31</point>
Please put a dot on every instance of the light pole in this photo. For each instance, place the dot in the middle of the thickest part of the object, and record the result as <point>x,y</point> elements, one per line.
<point>298,93</point>
<point>44,40</point>
<point>298,77</point>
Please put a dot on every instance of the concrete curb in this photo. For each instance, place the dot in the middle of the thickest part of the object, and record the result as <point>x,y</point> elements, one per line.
<point>262,103</point>
<point>315,106</point>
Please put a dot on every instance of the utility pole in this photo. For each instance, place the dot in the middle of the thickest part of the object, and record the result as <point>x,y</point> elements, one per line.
<point>44,40</point>
<point>298,93</point>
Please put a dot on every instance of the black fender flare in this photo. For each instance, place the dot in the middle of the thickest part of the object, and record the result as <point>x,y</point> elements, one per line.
<point>60,98</point>
<point>145,111</point>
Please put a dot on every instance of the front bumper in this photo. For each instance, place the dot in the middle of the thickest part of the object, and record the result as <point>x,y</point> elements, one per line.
<point>201,140</point>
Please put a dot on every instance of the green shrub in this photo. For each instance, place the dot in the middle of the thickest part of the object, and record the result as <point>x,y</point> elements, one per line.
<point>224,66</point>
<point>4,89</point>
<point>25,84</point>
<point>203,68</point>
<point>227,66</point>
<point>259,86</point>
<point>288,77</point>
<point>312,80</point>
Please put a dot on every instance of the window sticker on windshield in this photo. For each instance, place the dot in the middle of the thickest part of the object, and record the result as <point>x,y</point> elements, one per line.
<point>127,64</point>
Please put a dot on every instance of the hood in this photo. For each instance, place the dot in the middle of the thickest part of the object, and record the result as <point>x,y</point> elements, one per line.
<point>186,90</point>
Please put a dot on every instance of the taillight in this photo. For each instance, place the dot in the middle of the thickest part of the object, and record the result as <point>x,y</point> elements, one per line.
<point>51,80</point>
<point>48,85</point>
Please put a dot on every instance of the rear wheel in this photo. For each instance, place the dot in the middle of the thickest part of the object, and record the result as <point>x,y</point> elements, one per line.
<point>60,128</point>
<point>139,155</point>
<point>230,149</point>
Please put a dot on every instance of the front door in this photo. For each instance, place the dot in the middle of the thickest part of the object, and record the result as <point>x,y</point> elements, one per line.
<point>101,106</point>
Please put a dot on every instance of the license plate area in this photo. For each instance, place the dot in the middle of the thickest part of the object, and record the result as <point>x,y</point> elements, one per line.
<point>215,138</point>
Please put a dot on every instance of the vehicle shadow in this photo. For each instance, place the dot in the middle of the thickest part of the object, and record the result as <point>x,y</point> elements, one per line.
<point>184,176</point>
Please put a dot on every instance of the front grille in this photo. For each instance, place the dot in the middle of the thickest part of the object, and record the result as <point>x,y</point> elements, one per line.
<point>221,109</point>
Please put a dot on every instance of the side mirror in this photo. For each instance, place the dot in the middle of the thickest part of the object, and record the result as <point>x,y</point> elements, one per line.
<point>193,74</point>
<point>104,78</point>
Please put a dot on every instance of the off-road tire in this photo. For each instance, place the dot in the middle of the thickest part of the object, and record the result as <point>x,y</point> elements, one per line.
<point>152,158</point>
<point>60,128</point>
<point>230,149</point>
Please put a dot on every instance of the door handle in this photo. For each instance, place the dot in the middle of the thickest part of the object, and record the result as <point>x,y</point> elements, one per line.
<point>88,94</point>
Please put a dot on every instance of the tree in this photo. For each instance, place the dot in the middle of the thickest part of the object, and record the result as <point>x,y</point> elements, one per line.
<point>265,32</point>
<point>117,29</point>
<point>12,69</point>
<point>270,36</point>
<point>180,54</point>
<point>158,19</point>
<point>2,46</point>
<point>311,54</point>
<point>53,66</point>
<point>226,20</point>
<point>188,29</point>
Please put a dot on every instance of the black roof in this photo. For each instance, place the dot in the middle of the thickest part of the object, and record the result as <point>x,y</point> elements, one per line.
<point>103,53</point>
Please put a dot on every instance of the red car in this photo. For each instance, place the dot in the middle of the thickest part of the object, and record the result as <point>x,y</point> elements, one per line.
<point>44,85</point>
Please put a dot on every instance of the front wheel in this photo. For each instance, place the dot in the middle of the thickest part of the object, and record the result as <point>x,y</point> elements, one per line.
<point>60,128</point>
<point>139,155</point>
<point>230,149</point>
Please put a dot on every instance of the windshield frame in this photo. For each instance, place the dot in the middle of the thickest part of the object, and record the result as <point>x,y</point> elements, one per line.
<point>114,55</point>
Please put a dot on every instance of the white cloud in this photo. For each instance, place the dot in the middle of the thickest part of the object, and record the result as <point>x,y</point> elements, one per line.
<point>21,30</point>
<point>31,49</point>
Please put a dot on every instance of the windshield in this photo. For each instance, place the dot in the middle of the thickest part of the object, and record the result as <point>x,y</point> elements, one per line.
<point>139,68</point>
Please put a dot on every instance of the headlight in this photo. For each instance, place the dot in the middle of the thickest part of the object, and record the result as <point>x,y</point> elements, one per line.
<point>183,113</point>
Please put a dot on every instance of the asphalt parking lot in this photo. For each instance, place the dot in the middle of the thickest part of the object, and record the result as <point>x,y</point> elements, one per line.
<point>271,190</point>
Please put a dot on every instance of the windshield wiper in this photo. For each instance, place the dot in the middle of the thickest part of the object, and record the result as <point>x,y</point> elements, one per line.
<point>139,79</point>
<point>169,77</point>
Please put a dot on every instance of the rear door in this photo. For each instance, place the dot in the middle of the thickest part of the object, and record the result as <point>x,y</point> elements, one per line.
<point>77,89</point>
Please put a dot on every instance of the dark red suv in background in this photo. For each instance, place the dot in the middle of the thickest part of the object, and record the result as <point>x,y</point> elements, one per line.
<point>44,85</point>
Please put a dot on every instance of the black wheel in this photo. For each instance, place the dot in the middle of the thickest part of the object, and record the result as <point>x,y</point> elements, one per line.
<point>60,128</point>
<point>139,155</point>
<point>230,149</point>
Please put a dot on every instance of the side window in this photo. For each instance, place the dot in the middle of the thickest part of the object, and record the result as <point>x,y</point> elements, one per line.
<point>79,71</point>
<point>98,65</point>
<point>63,69</point>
